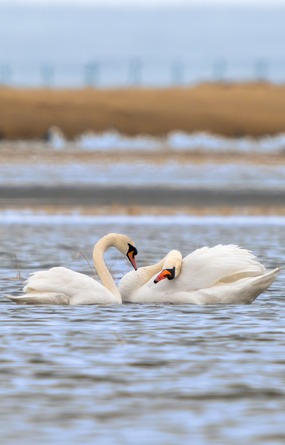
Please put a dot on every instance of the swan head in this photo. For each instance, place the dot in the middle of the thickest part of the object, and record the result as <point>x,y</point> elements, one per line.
<point>165,273</point>
<point>122,242</point>
<point>171,266</point>
<point>127,247</point>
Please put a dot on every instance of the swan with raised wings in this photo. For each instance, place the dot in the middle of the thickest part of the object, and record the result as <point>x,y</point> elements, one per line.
<point>60,285</point>
<point>224,274</point>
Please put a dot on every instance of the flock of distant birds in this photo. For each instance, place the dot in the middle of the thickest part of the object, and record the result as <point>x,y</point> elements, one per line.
<point>223,274</point>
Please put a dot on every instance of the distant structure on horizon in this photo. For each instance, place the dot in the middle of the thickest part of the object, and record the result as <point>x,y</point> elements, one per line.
<point>140,72</point>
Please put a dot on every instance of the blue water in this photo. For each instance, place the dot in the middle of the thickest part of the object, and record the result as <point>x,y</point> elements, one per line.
<point>140,374</point>
<point>79,45</point>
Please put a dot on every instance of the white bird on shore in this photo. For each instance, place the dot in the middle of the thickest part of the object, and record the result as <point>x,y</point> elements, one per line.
<point>224,274</point>
<point>60,285</point>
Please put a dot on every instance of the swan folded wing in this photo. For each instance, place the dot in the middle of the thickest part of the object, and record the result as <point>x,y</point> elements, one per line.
<point>80,288</point>
<point>57,279</point>
<point>243,291</point>
<point>222,263</point>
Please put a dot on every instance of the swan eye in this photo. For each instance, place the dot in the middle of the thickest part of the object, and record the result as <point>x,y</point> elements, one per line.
<point>171,274</point>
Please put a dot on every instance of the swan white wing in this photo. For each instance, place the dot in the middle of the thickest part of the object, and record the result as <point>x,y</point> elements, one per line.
<point>243,291</point>
<point>207,266</point>
<point>79,288</point>
<point>62,280</point>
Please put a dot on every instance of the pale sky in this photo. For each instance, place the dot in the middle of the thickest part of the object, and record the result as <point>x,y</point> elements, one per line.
<point>259,3</point>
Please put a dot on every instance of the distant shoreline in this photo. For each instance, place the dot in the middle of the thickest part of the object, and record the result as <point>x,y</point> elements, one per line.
<point>233,110</point>
<point>143,196</point>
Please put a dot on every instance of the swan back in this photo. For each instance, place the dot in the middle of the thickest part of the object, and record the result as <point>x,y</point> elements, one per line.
<point>222,263</point>
<point>77,288</point>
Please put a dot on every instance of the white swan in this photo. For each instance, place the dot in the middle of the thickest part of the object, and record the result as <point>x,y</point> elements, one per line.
<point>64,286</point>
<point>224,274</point>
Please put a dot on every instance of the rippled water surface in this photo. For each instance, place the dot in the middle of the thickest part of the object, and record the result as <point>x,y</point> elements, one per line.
<point>133,373</point>
<point>169,174</point>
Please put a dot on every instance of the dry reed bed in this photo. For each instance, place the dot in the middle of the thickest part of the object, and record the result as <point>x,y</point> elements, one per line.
<point>227,109</point>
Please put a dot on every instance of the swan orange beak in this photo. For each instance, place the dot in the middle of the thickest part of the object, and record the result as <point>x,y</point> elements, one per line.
<point>166,273</point>
<point>131,257</point>
<point>131,253</point>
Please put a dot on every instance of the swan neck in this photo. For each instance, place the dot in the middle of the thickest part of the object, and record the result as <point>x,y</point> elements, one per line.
<point>144,274</point>
<point>100,265</point>
<point>154,269</point>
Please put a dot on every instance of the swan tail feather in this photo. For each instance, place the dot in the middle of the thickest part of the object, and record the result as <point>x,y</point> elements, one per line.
<point>260,284</point>
<point>268,278</point>
<point>40,298</point>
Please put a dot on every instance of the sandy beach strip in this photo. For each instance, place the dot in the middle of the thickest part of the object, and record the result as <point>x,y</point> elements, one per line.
<point>232,110</point>
<point>26,153</point>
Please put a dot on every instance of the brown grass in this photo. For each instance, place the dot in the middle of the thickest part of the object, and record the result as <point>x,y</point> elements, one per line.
<point>227,109</point>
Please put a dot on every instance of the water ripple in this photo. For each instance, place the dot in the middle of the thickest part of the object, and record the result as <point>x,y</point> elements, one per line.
<point>140,373</point>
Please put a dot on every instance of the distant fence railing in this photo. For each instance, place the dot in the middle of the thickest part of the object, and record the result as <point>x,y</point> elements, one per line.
<point>139,72</point>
